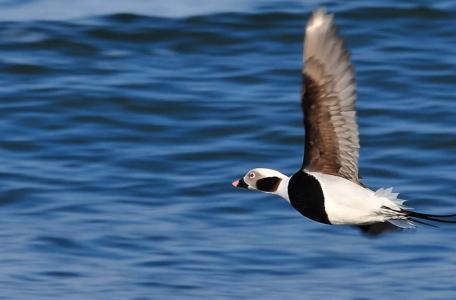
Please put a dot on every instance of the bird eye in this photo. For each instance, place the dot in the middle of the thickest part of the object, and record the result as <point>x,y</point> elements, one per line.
<point>251,175</point>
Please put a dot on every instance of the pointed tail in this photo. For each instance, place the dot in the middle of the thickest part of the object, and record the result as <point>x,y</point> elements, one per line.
<point>417,217</point>
<point>405,218</point>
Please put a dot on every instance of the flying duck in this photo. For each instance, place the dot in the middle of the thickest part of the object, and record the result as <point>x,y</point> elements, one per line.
<point>327,188</point>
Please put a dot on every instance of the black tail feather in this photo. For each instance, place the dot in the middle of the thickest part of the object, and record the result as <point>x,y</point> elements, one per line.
<point>434,218</point>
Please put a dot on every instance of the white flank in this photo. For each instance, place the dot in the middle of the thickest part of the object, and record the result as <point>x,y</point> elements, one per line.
<point>347,203</point>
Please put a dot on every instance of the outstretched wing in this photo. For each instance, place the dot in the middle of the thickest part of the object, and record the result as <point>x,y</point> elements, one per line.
<point>328,101</point>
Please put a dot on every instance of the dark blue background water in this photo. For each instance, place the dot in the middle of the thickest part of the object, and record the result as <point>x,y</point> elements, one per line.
<point>123,127</point>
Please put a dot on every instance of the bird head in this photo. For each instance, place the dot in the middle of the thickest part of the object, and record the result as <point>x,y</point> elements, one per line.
<point>264,180</point>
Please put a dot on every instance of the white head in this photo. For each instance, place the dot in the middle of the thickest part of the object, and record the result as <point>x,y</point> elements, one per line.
<point>265,180</point>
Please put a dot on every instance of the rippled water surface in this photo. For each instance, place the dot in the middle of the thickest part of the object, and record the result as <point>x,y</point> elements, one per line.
<point>123,127</point>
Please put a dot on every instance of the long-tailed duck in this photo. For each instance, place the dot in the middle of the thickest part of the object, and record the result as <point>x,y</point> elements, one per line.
<point>327,188</point>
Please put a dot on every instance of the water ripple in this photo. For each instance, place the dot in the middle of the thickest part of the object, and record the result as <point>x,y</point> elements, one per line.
<point>123,130</point>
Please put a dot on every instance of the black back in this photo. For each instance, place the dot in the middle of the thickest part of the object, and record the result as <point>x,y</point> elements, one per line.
<point>306,196</point>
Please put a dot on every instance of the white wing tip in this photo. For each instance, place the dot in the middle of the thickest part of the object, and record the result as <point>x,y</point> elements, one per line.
<point>319,19</point>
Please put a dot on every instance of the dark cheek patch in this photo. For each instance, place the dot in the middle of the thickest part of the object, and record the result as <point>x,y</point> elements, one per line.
<point>268,184</point>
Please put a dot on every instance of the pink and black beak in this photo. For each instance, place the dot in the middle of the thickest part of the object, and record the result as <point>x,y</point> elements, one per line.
<point>240,183</point>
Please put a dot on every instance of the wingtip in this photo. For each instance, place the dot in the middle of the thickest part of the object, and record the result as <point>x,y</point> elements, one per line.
<point>319,19</point>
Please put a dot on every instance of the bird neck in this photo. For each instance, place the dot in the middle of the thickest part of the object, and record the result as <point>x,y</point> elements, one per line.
<point>282,190</point>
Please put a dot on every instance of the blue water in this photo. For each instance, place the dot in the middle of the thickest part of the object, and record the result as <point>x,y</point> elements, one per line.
<point>124,126</point>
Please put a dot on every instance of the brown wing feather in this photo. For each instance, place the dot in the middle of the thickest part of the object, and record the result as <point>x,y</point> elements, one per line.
<point>328,102</point>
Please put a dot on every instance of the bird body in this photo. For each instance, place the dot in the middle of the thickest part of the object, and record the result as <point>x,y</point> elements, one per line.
<point>346,202</point>
<point>327,188</point>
